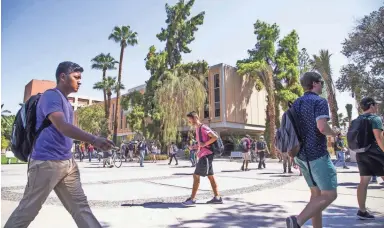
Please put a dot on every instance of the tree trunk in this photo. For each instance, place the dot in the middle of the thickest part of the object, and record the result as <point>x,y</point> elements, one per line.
<point>270,87</point>
<point>115,125</point>
<point>105,96</point>
<point>332,101</point>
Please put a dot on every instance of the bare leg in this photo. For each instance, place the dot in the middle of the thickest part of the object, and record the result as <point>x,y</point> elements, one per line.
<point>196,183</point>
<point>211,179</point>
<point>362,192</point>
<point>316,205</point>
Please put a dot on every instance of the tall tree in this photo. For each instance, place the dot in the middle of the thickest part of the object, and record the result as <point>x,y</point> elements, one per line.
<point>109,85</point>
<point>180,30</point>
<point>275,70</point>
<point>364,75</point>
<point>322,64</point>
<point>304,61</point>
<point>348,107</point>
<point>181,92</point>
<point>124,36</point>
<point>166,66</point>
<point>364,44</point>
<point>104,62</point>
<point>260,66</point>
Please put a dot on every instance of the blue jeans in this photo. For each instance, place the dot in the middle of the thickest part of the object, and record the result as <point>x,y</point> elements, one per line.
<point>340,158</point>
<point>142,155</point>
<point>192,156</point>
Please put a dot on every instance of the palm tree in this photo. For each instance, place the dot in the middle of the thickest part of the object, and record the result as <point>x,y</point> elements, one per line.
<point>108,85</point>
<point>321,63</point>
<point>124,36</point>
<point>104,62</point>
<point>348,107</point>
<point>3,112</point>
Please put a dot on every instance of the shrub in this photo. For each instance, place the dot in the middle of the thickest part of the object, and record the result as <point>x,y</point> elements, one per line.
<point>186,153</point>
<point>158,157</point>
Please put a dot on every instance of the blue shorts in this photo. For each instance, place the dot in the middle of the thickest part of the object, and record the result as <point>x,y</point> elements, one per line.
<point>323,173</point>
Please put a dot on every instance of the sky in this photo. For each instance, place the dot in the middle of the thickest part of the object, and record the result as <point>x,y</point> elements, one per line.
<point>39,34</point>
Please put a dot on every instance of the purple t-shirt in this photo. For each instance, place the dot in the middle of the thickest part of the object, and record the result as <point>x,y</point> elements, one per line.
<point>51,144</point>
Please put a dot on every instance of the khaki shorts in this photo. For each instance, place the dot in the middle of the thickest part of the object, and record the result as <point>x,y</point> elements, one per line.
<point>247,156</point>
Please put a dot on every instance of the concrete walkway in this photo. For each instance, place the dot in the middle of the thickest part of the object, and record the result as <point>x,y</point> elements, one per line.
<point>150,197</point>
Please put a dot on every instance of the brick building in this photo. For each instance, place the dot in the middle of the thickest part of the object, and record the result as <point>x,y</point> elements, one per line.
<point>40,86</point>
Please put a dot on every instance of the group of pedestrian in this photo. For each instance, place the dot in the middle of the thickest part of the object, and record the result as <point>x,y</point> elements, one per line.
<point>258,147</point>
<point>52,167</point>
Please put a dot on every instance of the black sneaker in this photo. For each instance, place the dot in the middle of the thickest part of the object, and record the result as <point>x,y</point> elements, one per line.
<point>292,222</point>
<point>215,200</point>
<point>365,215</point>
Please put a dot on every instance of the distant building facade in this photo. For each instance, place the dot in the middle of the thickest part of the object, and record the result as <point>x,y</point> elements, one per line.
<point>40,86</point>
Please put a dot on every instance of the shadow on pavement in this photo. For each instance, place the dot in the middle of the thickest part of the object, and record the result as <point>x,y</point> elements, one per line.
<point>183,174</point>
<point>354,185</point>
<point>178,166</point>
<point>232,171</point>
<point>345,216</point>
<point>157,205</point>
<point>242,214</point>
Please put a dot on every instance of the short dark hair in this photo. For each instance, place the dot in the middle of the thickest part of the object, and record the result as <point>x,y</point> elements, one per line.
<point>308,78</point>
<point>67,67</point>
<point>193,114</point>
<point>366,103</point>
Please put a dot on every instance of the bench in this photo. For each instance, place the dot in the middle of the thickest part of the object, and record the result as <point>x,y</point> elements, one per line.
<point>235,154</point>
<point>9,155</point>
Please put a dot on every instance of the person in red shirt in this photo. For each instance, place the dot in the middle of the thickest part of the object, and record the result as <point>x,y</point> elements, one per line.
<point>90,152</point>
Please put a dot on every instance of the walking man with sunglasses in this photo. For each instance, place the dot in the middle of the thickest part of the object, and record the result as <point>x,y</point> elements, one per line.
<point>313,158</point>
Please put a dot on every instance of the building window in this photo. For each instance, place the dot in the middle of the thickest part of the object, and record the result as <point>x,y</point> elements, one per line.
<point>217,94</point>
<point>206,104</point>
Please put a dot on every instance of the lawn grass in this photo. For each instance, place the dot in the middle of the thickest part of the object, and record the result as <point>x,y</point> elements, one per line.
<point>4,160</point>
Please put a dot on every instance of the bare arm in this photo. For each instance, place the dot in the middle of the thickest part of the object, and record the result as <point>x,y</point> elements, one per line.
<point>58,120</point>
<point>324,128</point>
<point>212,139</point>
<point>379,135</point>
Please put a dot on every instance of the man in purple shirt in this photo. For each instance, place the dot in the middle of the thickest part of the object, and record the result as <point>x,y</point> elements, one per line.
<point>51,165</point>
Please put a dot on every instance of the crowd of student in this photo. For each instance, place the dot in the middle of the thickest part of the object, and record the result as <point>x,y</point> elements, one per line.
<point>52,167</point>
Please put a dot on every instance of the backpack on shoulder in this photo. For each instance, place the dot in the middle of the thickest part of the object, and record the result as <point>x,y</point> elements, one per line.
<point>24,132</point>
<point>288,137</point>
<point>360,135</point>
<point>261,145</point>
<point>218,146</point>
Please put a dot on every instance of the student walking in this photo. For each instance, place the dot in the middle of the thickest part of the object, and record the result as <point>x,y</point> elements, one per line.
<point>313,158</point>
<point>204,165</point>
<point>172,153</point>
<point>262,149</point>
<point>246,147</point>
<point>340,150</point>
<point>51,166</point>
<point>371,162</point>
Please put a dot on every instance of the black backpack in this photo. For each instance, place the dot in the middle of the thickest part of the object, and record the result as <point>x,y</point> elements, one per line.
<point>261,145</point>
<point>360,135</point>
<point>24,132</point>
<point>218,146</point>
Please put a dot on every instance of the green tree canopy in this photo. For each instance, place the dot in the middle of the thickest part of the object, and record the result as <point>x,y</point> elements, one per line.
<point>180,30</point>
<point>92,119</point>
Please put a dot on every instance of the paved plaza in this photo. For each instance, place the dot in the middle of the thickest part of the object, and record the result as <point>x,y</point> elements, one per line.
<point>132,196</point>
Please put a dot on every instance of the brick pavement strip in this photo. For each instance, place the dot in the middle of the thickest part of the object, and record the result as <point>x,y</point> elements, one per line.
<point>7,193</point>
